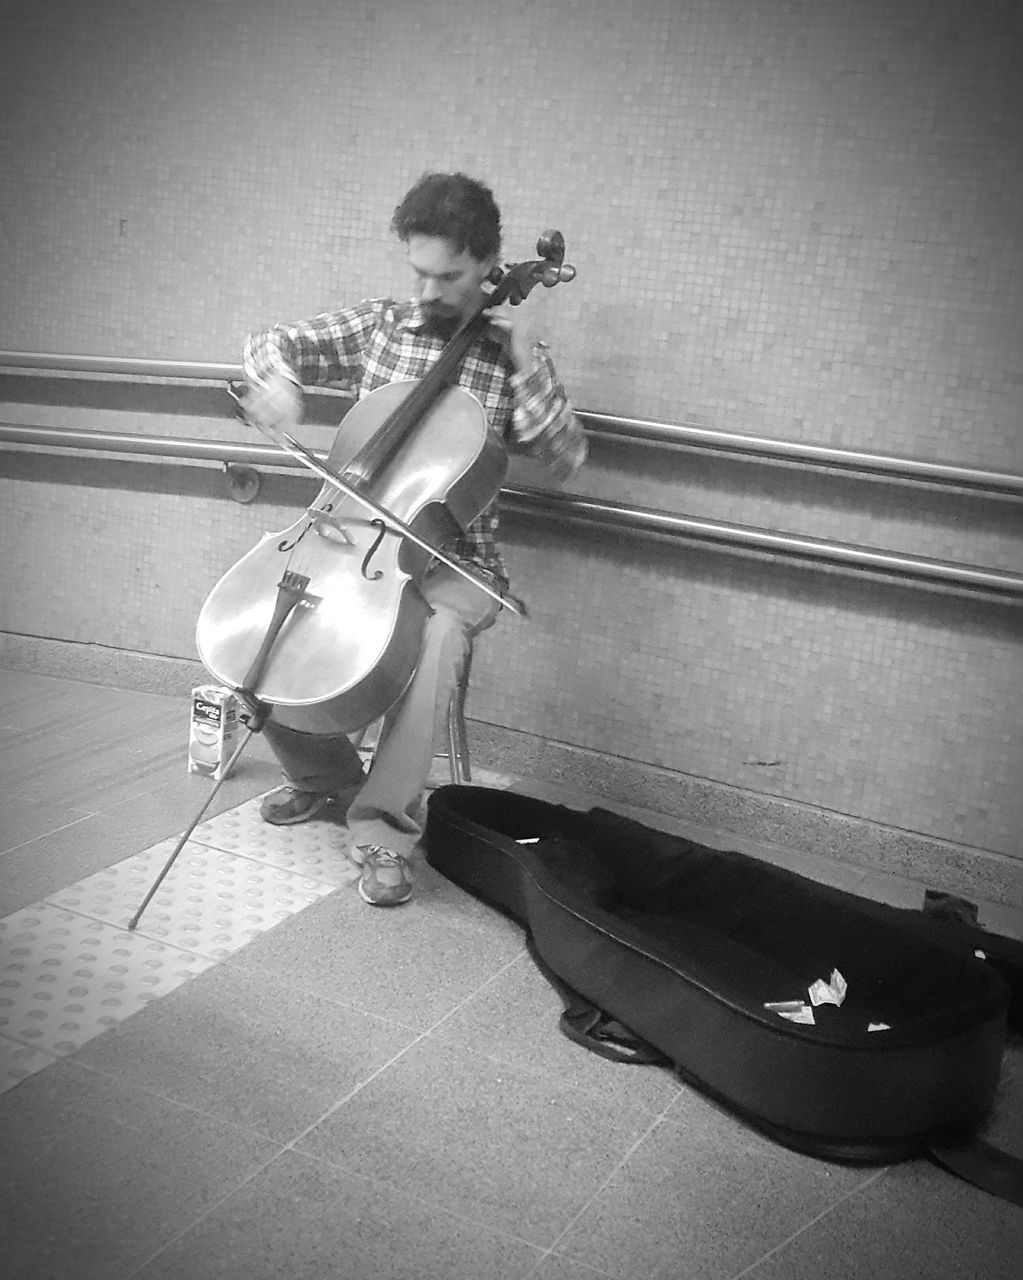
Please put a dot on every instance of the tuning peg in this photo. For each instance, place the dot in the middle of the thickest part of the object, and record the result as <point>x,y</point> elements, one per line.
<point>550,276</point>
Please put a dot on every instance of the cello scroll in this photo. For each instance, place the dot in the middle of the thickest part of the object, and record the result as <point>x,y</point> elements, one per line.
<point>517,281</point>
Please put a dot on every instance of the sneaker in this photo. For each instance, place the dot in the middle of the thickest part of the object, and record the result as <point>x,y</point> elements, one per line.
<point>288,805</point>
<point>386,879</point>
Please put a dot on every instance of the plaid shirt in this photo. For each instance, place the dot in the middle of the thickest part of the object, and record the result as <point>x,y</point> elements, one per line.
<point>381,341</point>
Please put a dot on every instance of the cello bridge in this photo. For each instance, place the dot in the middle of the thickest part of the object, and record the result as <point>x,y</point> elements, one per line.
<point>328,526</point>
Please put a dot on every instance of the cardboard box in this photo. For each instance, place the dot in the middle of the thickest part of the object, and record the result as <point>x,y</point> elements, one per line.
<point>213,734</point>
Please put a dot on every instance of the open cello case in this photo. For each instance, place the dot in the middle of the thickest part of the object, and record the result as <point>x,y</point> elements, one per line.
<point>839,1027</point>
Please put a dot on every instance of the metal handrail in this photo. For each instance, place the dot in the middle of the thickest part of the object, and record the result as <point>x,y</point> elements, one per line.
<point>809,455</point>
<point>633,430</point>
<point>582,510</point>
<point>576,508</point>
<point>119,366</point>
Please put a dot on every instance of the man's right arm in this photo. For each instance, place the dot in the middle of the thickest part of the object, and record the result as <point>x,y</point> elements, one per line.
<point>280,361</point>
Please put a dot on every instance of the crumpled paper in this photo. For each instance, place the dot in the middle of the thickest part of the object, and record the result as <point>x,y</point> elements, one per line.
<point>830,992</point>
<point>820,992</point>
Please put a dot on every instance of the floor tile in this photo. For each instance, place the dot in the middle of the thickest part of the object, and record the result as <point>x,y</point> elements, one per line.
<point>840,875</point>
<point>1007,921</point>
<point>514,1019</point>
<point>555,1266</point>
<point>96,1175</point>
<point>307,1221</point>
<point>116,773</point>
<point>1003,1127</point>
<point>442,1123</point>
<point>26,819</point>
<point>413,1054</point>
<point>702,1196</point>
<point>211,902</point>
<point>34,870</point>
<point>126,732</point>
<point>317,850</point>
<point>22,1264</point>
<point>18,1061</point>
<point>65,978</point>
<point>450,905</point>
<point>894,891</point>
<point>914,1220</point>
<point>250,1050</point>
<point>398,963</point>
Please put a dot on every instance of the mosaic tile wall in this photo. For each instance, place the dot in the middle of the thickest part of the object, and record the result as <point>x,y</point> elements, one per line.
<point>789,219</point>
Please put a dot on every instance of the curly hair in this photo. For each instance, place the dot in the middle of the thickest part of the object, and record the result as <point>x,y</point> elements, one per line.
<point>454,207</point>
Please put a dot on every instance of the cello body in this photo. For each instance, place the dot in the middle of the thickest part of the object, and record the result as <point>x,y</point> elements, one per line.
<point>349,648</point>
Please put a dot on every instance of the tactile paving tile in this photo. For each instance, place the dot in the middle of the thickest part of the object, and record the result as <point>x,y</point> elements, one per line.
<point>65,978</point>
<point>69,968</point>
<point>317,849</point>
<point>18,1062</point>
<point>211,902</point>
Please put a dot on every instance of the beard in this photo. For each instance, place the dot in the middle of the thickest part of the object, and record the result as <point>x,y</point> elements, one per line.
<point>440,324</point>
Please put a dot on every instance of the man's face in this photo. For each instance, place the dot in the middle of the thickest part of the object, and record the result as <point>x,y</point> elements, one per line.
<point>447,283</point>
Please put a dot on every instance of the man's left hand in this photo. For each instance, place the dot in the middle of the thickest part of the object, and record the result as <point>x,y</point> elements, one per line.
<point>511,331</point>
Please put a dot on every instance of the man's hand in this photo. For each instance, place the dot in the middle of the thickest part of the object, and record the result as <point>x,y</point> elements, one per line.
<point>508,327</point>
<point>274,405</point>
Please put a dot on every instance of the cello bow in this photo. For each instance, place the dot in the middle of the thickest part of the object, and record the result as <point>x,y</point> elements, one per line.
<point>387,518</point>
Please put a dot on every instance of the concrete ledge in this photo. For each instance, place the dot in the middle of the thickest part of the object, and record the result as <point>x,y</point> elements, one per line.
<point>100,664</point>
<point>977,874</point>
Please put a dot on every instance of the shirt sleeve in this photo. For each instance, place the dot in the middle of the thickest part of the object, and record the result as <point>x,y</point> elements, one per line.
<point>544,425</point>
<point>327,349</point>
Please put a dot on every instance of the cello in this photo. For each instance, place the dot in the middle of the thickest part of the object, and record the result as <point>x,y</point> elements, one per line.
<point>320,623</point>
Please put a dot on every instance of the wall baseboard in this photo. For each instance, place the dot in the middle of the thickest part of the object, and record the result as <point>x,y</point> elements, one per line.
<point>976,874</point>
<point>101,664</point>
<point>787,825</point>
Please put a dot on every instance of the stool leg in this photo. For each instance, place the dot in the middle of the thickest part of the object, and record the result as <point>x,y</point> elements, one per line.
<point>458,741</point>
<point>458,738</point>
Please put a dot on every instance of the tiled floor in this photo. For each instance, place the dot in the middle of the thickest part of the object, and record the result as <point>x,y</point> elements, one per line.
<point>270,1079</point>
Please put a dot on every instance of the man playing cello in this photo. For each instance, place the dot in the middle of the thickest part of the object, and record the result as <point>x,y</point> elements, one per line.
<point>451,228</point>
